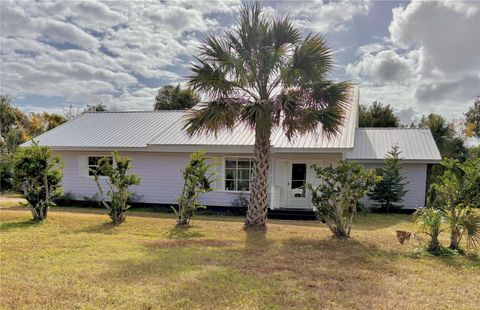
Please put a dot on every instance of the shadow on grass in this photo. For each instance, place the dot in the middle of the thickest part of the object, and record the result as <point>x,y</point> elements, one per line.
<point>309,266</point>
<point>6,226</point>
<point>107,228</point>
<point>374,221</point>
<point>183,233</point>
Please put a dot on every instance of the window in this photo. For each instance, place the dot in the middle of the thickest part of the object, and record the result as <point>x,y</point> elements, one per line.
<point>238,174</point>
<point>93,163</point>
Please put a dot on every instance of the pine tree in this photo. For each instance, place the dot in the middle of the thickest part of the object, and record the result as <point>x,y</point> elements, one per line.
<point>391,189</point>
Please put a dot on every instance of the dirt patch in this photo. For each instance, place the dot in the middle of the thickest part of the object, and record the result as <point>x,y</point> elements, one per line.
<point>189,242</point>
<point>10,200</point>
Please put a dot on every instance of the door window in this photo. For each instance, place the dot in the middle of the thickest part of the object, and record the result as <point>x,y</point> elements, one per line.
<point>299,180</point>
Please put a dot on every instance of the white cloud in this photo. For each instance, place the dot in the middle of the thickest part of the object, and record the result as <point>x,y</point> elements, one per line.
<point>85,50</point>
<point>383,67</point>
<point>323,16</point>
<point>432,60</point>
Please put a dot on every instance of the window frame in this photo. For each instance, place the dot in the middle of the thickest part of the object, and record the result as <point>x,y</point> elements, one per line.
<point>88,164</point>
<point>224,179</point>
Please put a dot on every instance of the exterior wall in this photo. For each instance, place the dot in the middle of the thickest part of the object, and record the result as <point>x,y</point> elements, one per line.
<point>162,181</point>
<point>160,174</point>
<point>416,176</point>
<point>281,163</point>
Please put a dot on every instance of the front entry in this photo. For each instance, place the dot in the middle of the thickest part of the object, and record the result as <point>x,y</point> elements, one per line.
<point>297,194</point>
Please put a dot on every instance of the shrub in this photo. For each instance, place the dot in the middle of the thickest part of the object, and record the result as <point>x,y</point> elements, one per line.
<point>429,221</point>
<point>458,192</point>
<point>119,184</point>
<point>6,173</point>
<point>38,173</point>
<point>198,181</point>
<point>336,198</point>
<point>390,190</point>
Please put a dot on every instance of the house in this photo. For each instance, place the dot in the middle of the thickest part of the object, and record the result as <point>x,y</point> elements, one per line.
<point>159,149</point>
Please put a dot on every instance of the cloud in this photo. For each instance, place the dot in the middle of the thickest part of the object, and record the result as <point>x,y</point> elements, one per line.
<point>383,67</point>
<point>87,50</point>
<point>431,56</point>
<point>120,52</point>
<point>323,16</point>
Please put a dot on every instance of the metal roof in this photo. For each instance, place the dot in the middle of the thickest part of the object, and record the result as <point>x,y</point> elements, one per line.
<point>416,144</point>
<point>156,129</point>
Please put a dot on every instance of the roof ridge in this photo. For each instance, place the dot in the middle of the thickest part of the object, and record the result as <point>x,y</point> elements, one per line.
<point>392,128</point>
<point>146,111</point>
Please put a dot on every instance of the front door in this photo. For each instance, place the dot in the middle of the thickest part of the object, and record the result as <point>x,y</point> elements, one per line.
<point>297,181</point>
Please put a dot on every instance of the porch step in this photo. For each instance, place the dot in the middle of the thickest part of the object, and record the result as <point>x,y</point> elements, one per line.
<point>292,214</point>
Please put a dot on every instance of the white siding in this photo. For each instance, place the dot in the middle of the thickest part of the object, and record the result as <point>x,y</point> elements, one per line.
<point>160,173</point>
<point>281,167</point>
<point>416,176</point>
<point>162,181</point>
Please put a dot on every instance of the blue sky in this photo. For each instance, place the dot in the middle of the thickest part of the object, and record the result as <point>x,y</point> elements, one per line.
<point>420,57</point>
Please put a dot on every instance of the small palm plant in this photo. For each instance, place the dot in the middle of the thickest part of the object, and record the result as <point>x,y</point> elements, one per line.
<point>458,192</point>
<point>429,221</point>
<point>265,75</point>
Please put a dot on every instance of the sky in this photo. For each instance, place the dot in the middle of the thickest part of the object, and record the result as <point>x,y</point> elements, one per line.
<point>419,57</point>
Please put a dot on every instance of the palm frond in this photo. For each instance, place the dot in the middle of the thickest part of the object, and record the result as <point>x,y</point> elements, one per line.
<point>212,117</point>
<point>302,110</point>
<point>284,32</point>
<point>470,222</point>
<point>258,116</point>
<point>210,79</point>
<point>311,61</point>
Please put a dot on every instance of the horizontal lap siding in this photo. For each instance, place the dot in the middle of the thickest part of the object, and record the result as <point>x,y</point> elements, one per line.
<point>416,176</point>
<point>160,175</point>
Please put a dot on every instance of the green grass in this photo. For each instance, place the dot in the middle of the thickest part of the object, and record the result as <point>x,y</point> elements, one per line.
<point>76,259</point>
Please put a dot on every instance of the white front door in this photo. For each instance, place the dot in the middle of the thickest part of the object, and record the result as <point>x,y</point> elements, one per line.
<point>297,193</point>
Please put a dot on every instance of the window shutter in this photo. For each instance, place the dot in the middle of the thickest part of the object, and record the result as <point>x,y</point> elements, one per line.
<point>83,166</point>
<point>219,174</point>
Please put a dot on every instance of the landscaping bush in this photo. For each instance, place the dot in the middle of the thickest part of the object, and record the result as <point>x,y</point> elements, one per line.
<point>458,193</point>
<point>38,173</point>
<point>336,198</point>
<point>119,184</point>
<point>429,221</point>
<point>198,179</point>
<point>390,191</point>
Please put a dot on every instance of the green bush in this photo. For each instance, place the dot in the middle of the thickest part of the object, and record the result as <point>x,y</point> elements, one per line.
<point>336,198</point>
<point>38,173</point>
<point>197,182</point>
<point>118,182</point>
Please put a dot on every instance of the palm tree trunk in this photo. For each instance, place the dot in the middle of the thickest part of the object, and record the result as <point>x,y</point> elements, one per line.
<point>257,208</point>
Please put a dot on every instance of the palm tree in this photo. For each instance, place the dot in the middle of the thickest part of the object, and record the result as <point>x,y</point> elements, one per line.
<point>265,75</point>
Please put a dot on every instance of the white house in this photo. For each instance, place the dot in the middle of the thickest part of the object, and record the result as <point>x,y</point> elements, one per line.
<point>159,148</point>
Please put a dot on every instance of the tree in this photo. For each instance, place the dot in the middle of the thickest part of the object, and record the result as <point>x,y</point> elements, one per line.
<point>473,119</point>
<point>175,98</point>
<point>100,107</point>
<point>197,182</point>
<point>377,115</point>
<point>458,192</point>
<point>391,189</point>
<point>118,183</point>
<point>263,74</point>
<point>444,135</point>
<point>336,198</point>
<point>38,173</point>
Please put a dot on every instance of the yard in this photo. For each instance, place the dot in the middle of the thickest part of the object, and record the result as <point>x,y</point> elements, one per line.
<point>76,259</point>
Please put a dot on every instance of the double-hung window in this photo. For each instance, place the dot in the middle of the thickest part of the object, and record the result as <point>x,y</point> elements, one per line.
<point>93,163</point>
<point>238,173</point>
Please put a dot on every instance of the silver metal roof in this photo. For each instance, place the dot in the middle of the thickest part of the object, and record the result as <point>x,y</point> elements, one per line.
<point>416,144</point>
<point>157,129</point>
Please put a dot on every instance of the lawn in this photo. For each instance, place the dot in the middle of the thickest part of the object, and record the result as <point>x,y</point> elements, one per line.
<point>76,259</point>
